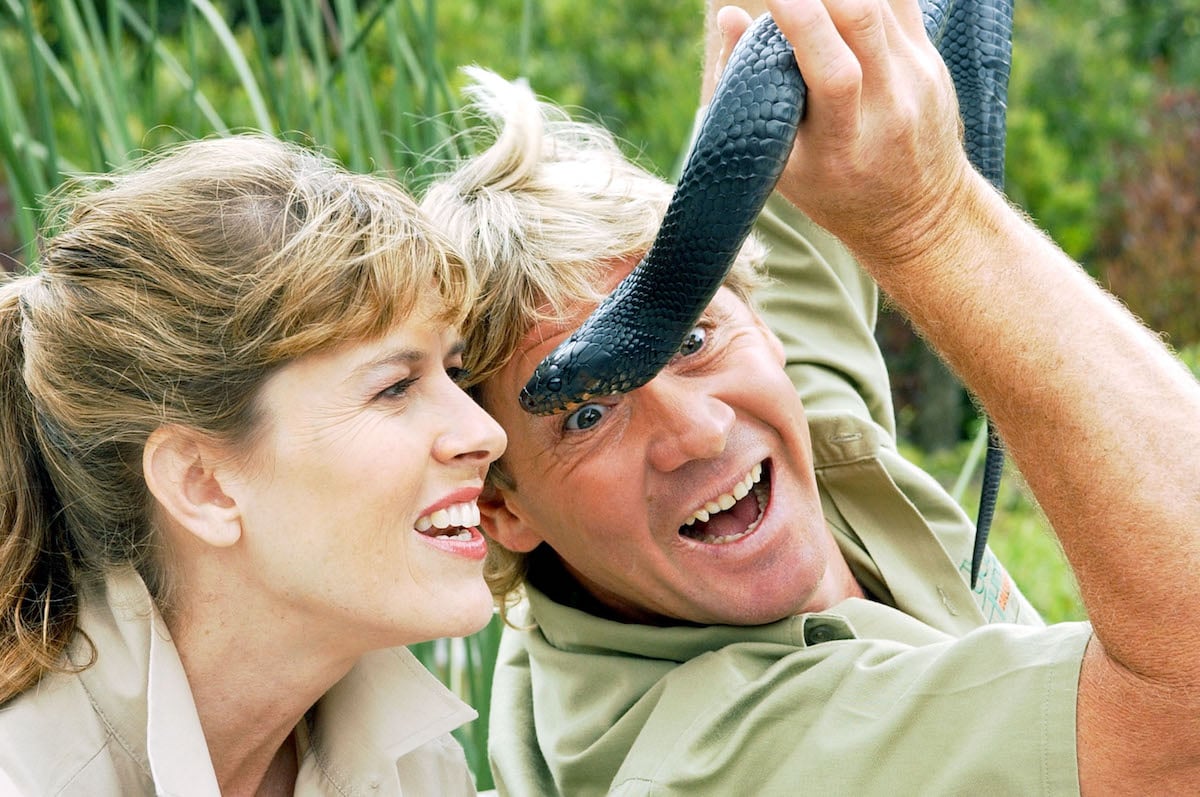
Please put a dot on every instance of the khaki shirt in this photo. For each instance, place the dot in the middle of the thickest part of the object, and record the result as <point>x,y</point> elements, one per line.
<point>127,725</point>
<point>857,701</point>
<point>933,688</point>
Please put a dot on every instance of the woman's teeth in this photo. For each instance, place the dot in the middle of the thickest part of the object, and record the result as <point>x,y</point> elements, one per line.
<point>726,500</point>
<point>456,516</point>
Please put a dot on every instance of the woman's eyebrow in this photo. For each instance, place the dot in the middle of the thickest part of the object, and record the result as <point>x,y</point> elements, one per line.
<point>399,357</point>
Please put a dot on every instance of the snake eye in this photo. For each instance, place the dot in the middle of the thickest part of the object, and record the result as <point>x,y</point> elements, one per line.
<point>694,342</point>
<point>585,417</point>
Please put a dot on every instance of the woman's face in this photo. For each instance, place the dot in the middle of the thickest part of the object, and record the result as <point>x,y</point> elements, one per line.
<point>357,501</point>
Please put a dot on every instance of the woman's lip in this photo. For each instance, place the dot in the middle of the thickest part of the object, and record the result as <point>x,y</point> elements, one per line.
<point>475,548</point>
<point>462,495</point>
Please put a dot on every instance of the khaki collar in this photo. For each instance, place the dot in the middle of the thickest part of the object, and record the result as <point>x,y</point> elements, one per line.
<point>387,705</point>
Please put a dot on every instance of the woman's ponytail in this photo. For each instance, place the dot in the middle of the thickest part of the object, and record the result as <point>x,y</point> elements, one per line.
<point>38,596</point>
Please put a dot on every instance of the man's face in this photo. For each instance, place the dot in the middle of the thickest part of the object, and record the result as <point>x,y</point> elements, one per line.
<point>691,498</point>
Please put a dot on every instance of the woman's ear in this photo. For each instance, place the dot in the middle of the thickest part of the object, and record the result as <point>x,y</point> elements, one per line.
<point>181,471</point>
<point>504,521</point>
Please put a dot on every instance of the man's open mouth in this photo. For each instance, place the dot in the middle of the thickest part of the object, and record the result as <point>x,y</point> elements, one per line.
<point>733,515</point>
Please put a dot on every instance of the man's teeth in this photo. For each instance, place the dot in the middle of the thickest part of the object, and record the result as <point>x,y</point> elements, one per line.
<point>456,516</point>
<point>726,500</point>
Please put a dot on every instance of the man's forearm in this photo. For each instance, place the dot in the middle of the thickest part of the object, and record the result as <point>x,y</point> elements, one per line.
<point>1102,421</point>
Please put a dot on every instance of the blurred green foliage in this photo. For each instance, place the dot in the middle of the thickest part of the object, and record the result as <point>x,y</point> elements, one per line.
<point>631,64</point>
<point>1149,254</point>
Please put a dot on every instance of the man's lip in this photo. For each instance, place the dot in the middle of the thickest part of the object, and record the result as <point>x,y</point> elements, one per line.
<point>729,487</point>
<point>751,545</point>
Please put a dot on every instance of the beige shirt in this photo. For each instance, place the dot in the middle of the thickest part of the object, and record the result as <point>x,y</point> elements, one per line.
<point>128,725</point>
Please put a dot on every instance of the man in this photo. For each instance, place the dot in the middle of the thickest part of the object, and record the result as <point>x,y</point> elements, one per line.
<point>721,603</point>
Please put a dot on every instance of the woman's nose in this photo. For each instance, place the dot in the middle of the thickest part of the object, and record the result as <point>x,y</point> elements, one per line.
<point>469,433</point>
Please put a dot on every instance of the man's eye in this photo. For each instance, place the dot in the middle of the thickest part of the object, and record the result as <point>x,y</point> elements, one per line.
<point>585,417</point>
<point>460,376</point>
<point>694,342</point>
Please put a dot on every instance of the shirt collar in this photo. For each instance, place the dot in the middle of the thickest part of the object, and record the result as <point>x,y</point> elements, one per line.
<point>138,687</point>
<point>387,706</point>
<point>384,708</point>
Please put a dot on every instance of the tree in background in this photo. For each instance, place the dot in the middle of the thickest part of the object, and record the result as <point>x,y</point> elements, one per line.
<point>1149,252</point>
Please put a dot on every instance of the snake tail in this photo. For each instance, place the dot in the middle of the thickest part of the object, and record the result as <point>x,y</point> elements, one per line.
<point>977,48</point>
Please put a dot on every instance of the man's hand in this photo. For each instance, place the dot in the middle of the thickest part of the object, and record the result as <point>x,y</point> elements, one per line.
<point>882,128</point>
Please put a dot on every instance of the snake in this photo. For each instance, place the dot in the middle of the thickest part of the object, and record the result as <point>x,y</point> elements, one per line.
<point>736,159</point>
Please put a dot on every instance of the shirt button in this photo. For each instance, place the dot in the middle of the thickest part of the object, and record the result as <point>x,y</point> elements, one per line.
<point>816,633</point>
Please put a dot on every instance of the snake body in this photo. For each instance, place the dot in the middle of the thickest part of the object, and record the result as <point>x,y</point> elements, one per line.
<point>977,47</point>
<point>734,164</point>
<point>735,161</point>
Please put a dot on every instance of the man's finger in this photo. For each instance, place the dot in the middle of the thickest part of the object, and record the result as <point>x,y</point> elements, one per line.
<point>731,22</point>
<point>830,67</point>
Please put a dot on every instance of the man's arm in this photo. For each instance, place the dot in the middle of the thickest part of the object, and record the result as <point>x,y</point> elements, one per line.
<point>1102,421</point>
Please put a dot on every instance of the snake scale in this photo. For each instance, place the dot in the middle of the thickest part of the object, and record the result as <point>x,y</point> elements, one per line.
<point>736,159</point>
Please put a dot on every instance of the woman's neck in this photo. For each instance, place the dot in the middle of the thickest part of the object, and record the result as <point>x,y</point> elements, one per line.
<point>253,677</point>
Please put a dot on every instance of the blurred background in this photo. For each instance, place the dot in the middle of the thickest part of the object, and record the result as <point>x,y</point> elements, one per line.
<point>1103,152</point>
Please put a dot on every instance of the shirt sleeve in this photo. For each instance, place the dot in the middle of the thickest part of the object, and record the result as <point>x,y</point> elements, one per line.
<point>824,309</point>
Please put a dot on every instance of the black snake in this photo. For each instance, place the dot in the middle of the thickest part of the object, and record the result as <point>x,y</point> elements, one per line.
<point>738,156</point>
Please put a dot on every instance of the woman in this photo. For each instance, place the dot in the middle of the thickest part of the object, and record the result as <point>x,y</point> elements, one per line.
<point>238,474</point>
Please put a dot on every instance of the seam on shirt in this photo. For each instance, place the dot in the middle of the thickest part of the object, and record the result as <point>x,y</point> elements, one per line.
<point>650,784</point>
<point>79,771</point>
<point>332,774</point>
<point>113,733</point>
<point>1046,737</point>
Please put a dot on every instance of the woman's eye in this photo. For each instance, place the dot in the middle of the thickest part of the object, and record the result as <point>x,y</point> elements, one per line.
<point>458,375</point>
<point>694,342</point>
<point>585,417</point>
<point>398,389</point>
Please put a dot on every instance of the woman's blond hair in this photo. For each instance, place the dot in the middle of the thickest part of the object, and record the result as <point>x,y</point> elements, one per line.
<point>542,214</point>
<point>171,291</point>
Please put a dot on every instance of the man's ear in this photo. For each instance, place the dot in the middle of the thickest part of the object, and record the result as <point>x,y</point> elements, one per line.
<point>181,471</point>
<point>503,519</point>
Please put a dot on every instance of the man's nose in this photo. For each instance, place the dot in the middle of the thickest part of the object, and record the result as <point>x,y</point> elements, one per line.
<point>685,421</point>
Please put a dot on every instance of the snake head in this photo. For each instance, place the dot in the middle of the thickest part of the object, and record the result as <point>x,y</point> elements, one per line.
<point>577,371</point>
<point>739,152</point>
